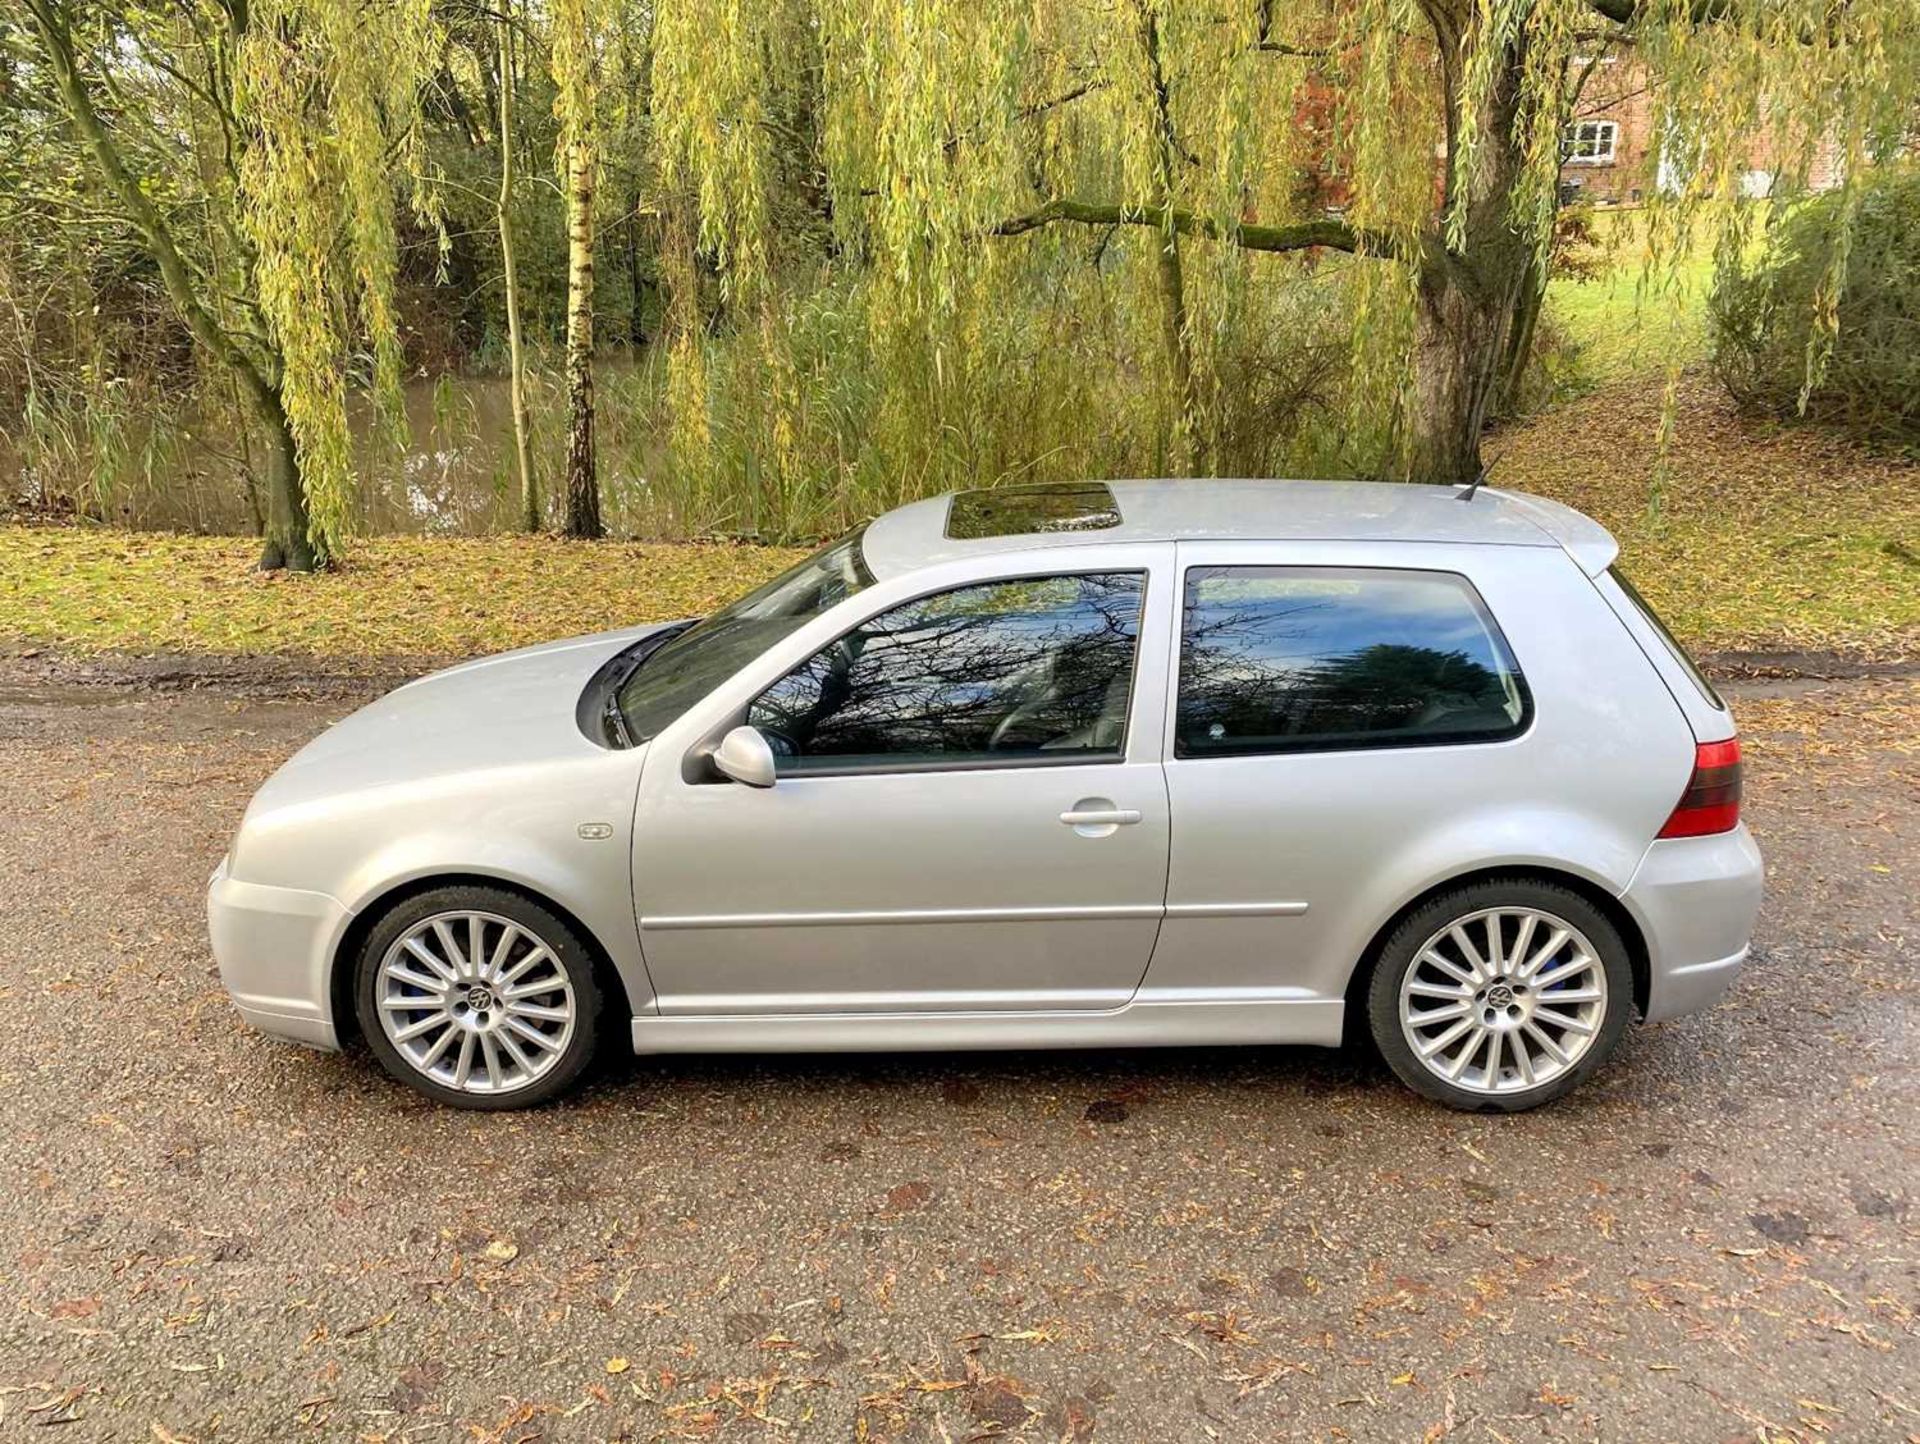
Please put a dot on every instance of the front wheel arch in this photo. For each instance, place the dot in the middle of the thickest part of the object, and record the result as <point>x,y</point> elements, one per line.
<point>1609,907</point>
<point>346,1022</point>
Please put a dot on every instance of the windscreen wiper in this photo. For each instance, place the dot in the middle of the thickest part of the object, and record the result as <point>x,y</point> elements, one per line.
<point>612,717</point>
<point>618,732</point>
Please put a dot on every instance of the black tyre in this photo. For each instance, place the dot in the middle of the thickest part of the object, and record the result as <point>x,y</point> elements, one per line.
<point>478,998</point>
<point>1500,996</point>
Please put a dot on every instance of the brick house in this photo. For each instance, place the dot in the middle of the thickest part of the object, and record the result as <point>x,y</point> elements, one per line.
<point>1607,143</point>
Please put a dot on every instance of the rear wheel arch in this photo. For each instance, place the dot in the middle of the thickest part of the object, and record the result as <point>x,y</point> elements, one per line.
<point>1609,907</point>
<point>340,967</point>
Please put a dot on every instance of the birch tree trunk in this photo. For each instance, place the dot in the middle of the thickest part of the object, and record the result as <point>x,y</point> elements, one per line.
<point>583,488</point>
<point>575,67</point>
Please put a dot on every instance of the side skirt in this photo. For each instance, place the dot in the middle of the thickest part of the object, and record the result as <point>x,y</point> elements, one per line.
<point>1143,1023</point>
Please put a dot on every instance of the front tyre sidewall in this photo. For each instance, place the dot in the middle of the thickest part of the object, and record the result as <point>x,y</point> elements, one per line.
<point>1397,956</point>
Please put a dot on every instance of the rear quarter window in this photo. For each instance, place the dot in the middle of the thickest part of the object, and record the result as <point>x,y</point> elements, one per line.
<point>1294,659</point>
<point>1672,643</point>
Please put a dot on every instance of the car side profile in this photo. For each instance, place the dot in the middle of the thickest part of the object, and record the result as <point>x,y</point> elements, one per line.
<point>1087,765</point>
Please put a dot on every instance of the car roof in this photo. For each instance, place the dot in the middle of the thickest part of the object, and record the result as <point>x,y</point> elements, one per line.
<point>1218,509</point>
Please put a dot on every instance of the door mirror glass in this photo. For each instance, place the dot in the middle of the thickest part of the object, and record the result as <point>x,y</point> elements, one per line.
<point>744,756</point>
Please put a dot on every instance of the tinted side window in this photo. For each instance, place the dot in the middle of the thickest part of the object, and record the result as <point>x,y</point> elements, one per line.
<point>1680,654</point>
<point>1287,659</point>
<point>1034,669</point>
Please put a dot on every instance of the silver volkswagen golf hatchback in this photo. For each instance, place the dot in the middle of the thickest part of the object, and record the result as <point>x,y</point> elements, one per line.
<point>1092,765</point>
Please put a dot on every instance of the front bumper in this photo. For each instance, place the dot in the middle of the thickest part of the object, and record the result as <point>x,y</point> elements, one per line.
<point>274,946</point>
<point>1695,899</point>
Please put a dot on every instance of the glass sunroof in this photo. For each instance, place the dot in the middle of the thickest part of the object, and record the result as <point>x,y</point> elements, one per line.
<point>1020,510</point>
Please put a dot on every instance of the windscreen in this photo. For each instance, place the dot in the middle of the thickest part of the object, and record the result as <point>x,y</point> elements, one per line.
<point>705,655</point>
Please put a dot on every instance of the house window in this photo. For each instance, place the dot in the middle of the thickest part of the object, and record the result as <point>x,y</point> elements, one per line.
<point>1591,142</point>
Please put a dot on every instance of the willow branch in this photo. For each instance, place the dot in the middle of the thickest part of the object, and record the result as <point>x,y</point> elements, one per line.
<point>1303,236</point>
<point>1264,40</point>
<point>1625,12</point>
<point>175,274</point>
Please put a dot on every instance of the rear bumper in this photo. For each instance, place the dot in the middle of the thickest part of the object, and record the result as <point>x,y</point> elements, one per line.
<point>1695,899</point>
<point>273,945</point>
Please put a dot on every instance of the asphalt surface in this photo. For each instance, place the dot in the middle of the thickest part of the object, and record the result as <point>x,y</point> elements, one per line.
<point>205,1235</point>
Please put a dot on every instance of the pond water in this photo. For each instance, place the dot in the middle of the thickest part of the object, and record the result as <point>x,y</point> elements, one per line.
<point>453,474</point>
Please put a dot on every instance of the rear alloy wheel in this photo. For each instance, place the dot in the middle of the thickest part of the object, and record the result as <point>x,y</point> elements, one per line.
<point>1501,996</point>
<point>478,998</point>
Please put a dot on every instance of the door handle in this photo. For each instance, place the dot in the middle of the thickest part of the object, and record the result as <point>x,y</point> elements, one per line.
<point>1100,817</point>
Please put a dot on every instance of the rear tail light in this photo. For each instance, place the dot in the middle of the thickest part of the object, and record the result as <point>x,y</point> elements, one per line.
<point>1711,802</point>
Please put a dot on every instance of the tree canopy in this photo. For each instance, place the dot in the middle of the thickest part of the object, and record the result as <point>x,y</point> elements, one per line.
<point>887,247</point>
<point>1435,128</point>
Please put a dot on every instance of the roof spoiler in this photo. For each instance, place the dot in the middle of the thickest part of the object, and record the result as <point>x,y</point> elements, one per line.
<point>1590,545</point>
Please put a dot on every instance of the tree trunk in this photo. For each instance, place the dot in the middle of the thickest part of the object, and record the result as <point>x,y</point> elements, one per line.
<point>1456,343</point>
<point>1173,335</point>
<point>1466,298</point>
<point>1519,352</point>
<point>583,489</point>
<point>636,278</point>
<point>1171,277</point>
<point>284,541</point>
<point>516,357</point>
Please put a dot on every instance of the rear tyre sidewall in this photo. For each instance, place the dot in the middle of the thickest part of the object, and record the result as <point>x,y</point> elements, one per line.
<point>1397,956</point>
<point>561,940</point>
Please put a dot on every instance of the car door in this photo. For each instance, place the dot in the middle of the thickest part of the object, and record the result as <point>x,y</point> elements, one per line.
<point>970,811</point>
<point>1344,718</point>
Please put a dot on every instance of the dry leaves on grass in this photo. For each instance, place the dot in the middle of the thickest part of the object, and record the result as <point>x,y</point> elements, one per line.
<point>1761,538</point>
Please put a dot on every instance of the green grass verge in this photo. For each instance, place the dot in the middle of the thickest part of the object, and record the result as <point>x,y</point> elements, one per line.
<point>1627,324</point>
<point>93,589</point>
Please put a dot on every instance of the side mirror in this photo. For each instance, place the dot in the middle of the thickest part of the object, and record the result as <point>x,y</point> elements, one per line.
<point>745,756</point>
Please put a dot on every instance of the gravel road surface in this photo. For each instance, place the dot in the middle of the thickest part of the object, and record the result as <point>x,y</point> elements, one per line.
<point>206,1236</point>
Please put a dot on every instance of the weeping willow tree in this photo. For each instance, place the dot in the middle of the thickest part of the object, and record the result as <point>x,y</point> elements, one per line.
<point>510,283</point>
<point>308,108</point>
<point>952,132</point>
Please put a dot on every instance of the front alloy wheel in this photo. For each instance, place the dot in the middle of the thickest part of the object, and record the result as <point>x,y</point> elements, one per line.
<point>1501,995</point>
<point>478,997</point>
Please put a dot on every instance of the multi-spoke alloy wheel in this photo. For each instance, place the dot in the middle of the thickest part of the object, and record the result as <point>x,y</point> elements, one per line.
<point>475,1002</point>
<point>1501,995</point>
<point>479,997</point>
<point>1503,1000</point>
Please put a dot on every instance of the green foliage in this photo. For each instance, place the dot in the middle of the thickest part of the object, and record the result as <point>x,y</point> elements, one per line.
<point>93,360</point>
<point>1771,347</point>
<point>885,248</point>
<point>947,124</point>
<point>818,417</point>
<point>329,89</point>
